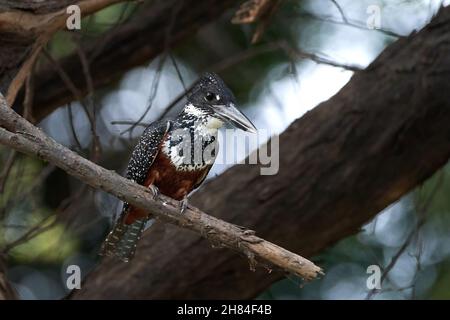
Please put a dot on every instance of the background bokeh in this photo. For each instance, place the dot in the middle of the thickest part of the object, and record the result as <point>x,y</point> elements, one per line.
<point>409,240</point>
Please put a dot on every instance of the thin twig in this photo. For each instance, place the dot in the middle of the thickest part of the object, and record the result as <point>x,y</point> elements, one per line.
<point>34,231</point>
<point>265,21</point>
<point>78,96</point>
<point>72,127</point>
<point>422,212</point>
<point>43,27</point>
<point>129,123</point>
<point>292,53</point>
<point>299,54</point>
<point>29,96</point>
<point>180,76</point>
<point>104,40</point>
<point>155,83</point>
<point>153,92</point>
<point>349,23</point>
<point>7,169</point>
<point>24,194</point>
<point>96,146</point>
<point>341,12</point>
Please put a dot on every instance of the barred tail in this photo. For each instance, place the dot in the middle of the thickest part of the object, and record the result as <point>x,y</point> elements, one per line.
<point>122,240</point>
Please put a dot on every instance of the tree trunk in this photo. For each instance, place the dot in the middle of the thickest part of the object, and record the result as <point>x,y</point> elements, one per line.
<point>383,134</point>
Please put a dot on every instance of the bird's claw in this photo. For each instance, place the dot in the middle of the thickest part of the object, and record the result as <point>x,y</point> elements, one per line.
<point>183,205</point>
<point>155,191</point>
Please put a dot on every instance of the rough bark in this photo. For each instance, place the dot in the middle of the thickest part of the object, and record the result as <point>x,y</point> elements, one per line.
<point>383,134</point>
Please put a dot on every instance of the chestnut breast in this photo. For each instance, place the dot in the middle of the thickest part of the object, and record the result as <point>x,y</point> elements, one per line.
<point>172,182</point>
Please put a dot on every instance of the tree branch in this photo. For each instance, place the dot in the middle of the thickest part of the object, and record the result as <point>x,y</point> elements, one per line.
<point>340,164</point>
<point>24,33</point>
<point>383,134</point>
<point>109,58</point>
<point>22,136</point>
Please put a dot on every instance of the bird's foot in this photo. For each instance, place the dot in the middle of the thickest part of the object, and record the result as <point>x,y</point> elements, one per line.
<point>183,205</point>
<point>155,191</point>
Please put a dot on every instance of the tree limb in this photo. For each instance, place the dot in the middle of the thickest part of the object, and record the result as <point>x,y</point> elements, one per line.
<point>22,136</point>
<point>24,34</point>
<point>382,135</point>
<point>122,48</point>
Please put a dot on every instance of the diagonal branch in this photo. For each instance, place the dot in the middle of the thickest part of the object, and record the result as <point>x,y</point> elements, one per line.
<point>22,136</point>
<point>340,164</point>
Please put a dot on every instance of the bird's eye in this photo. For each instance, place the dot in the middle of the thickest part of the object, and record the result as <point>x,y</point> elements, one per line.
<point>209,96</point>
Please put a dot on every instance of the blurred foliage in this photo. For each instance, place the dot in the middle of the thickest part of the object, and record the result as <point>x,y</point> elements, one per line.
<point>366,248</point>
<point>48,247</point>
<point>249,70</point>
<point>22,174</point>
<point>62,44</point>
<point>23,210</point>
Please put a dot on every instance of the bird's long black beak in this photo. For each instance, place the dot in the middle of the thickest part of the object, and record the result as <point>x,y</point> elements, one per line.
<point>232,115</point>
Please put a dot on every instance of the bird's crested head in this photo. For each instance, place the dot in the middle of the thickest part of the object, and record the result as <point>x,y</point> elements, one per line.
<point>212,98</point>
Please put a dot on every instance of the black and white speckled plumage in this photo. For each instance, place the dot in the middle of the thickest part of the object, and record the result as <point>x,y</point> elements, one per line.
<point>197,119</point>
<point>200,122</point>
<point>146,150</point>
<point>192,133</point>
<point>121,241</point>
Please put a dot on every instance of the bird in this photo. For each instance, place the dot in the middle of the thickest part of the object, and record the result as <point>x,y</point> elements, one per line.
<point>173,157</point>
